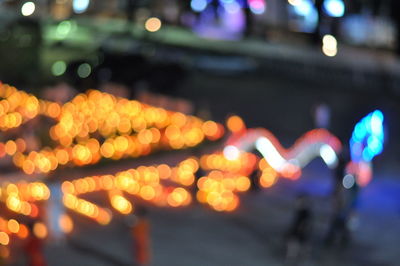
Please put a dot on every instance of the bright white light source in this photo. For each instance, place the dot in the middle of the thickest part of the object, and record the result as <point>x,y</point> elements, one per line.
<point>80,6</point>
<point>348,181</point>
<point>328,155</point>
<point>271,155</point>
<point>28,8</point>
<point>231,152</point>
<point>294,2</point>
<point>329,45</point>
<point>334,8</point>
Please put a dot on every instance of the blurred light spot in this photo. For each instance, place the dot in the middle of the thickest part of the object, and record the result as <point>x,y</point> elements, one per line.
<point>28,9</point>
<point>23,231</point>
<point>66,224</point>
<point>269,152</point>
<point>329,45</point>
<point>64,28</point>
<point>257,6</point>
<point>368,137</point>
<point>235,124</point>
<point>40,230</point>
<point>4,239</point>
<point>80,6</point>
<point>348,181</point>
<point>294,2</point>
<point>328,155</point>
<point>231,152</point>
<point>58,68</point>
<point>334,8</point>
<point>198,5</point>
<point>232,7</point>
<point>84,70</point>
<point>13,226</point>
<point>153,24</point>
<point>303,8</point>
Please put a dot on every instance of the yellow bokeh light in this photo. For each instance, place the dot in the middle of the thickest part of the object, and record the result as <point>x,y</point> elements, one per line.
<point>13,226</point>
<point>235,124</point>
<point>40,230</point>
<point>66,224</point>
<point>4,239</point>
<point>153,24</point>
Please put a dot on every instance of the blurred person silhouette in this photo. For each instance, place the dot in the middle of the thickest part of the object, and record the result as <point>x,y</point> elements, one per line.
<point>140,231</point>
<point>338,230</point>
<point>322,115</point>
<point>4,255</point>
<point>298,235</point>
<point>249,19</point>
<point>339,173</point>
<point>345,207</point>
<point>131,6</point>
<point>317,34</point>
<point>215,8</point>
<point>34,249</point>
<point>395,14</point>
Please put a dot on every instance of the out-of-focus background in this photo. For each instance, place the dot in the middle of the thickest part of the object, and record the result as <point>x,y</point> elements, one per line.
<point>287,66</point>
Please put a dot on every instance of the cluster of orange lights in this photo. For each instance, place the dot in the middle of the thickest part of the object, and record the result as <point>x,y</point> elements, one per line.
<point>143,182</point>
<point>20,197</point>
<point>109,116</point>
<point>93,126</point>
<point>11,227</point>
<point>268,176</point>
<point>86,208</point>
<point>16,107</point>
<point>244,164</point>
<point>98,125</point>
<point>218,189</point>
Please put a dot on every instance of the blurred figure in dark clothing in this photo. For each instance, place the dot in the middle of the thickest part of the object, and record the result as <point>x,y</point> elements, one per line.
<point>34,249</point>
<point>130,9</point>
<point>338,231</point>
<point>140,231</point>
<point>316,36</point>
<point>395,10</point>
<point>215,7</point>
<point>300,230</point>
<point>20,45</point>
<point>346,203</point>
<point>340,172</point>
<point>249,20</point>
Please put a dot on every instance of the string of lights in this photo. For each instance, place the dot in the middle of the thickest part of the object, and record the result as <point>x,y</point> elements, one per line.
<point>97,125</point>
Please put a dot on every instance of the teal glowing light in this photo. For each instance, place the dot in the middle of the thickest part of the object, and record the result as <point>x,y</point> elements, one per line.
<point>368,137</point>
<point>334,8</point>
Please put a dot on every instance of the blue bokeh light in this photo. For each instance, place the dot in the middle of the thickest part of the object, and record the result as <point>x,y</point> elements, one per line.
<point>368,137</point>
<point>334,8</point>
<point>198,5</point>
<point>304,8</point>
